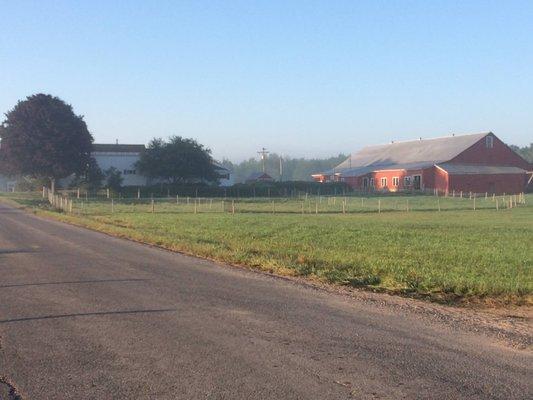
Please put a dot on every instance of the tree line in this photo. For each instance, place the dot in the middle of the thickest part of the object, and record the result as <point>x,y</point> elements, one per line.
<point>282,168</point>
<point>43,139</point>
<point>525,152</point>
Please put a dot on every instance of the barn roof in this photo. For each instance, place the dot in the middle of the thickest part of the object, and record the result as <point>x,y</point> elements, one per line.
<point>413,154</point>
<point>458,169</point>
<point>257,175</point>
<point>118,148</point>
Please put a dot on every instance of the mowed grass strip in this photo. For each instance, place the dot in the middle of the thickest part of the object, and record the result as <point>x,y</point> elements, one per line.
<point>452,255</point>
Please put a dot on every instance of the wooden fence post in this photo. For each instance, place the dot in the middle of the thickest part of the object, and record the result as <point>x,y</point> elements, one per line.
<point>496,204</point>
<point>153,206</point>
<point>474,203</point>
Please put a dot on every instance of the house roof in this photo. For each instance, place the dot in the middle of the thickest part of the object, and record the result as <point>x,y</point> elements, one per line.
<point>256,175</point>
<point>459,169</point>
<point>413,154</point>
<point>118,148</point>
<point>219,166</point>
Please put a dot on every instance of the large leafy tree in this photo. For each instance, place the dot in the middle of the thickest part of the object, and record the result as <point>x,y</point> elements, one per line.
<point>41,137</point>
<point>113,179</point>
<point>178,160</point>
<point>91,178</point>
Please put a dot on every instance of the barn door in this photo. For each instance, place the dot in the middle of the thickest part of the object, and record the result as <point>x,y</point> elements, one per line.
<point>417,182</point>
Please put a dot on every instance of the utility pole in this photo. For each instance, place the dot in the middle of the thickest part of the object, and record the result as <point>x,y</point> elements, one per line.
<point>281,168</point>
<point>263,153</point>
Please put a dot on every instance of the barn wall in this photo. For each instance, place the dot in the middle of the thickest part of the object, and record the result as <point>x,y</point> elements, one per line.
<point>441,180</point>
<point>495,183</point>
<point>357,182</point>
<point>499,154</point>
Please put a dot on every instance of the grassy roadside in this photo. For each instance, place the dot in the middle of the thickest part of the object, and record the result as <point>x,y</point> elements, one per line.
<point>460,256</point>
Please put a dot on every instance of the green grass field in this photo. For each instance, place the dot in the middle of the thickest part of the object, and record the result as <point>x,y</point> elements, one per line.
<point>455,254</point>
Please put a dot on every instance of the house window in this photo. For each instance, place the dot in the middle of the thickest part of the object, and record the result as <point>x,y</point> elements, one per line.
<point>371,182</point>
<point>395,181</point>
<point>407,181</point>
<point>489,142</point>
<point>383,182</point>
<point>129,172</point>
<point>365,182</point>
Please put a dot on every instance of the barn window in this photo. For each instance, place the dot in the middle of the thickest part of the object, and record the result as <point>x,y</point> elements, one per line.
<point>395,181</point>
<point>407,181</point>
<point>129,172</point>
<point>371,182</point>
<point>489,142</point>
<point>383,182</point>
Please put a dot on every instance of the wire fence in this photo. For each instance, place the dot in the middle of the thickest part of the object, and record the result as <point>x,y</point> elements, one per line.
<point>307,204</point>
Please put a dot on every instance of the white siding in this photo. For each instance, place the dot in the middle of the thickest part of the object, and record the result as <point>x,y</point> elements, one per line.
<point>122,162</point>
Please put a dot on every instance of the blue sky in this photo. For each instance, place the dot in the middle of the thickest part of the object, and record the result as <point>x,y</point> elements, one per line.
<point>304,78</point>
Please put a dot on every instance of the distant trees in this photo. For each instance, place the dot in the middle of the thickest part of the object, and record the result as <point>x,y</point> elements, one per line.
<point>526,152</point>
<point>178,160</point>
<point>294,169</point>
<point>41,137</point>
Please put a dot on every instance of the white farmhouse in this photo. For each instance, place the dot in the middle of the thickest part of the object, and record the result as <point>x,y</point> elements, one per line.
<point>122,157</point>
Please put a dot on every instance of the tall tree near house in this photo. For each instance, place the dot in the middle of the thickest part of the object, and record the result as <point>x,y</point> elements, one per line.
<point>113,179</point>
<point>91,178</point>
<point>42,137</point>
<point>178,160</point>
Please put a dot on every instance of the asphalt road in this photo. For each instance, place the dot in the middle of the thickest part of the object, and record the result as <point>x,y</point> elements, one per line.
<point>87,316</point>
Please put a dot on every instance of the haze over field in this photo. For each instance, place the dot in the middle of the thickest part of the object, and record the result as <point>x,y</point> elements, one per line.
<point>311,79</point>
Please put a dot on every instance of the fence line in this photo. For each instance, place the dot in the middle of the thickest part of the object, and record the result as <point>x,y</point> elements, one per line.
<point>58,201</point>
<point>310,205</point>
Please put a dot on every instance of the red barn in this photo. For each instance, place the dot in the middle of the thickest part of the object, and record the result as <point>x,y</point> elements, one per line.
<point>476,163</point>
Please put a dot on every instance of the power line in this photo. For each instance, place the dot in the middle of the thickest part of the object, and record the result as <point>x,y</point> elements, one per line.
<point>263,153</point>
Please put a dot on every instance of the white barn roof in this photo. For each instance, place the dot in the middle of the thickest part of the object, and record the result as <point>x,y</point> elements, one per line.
<point>413,154</point>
